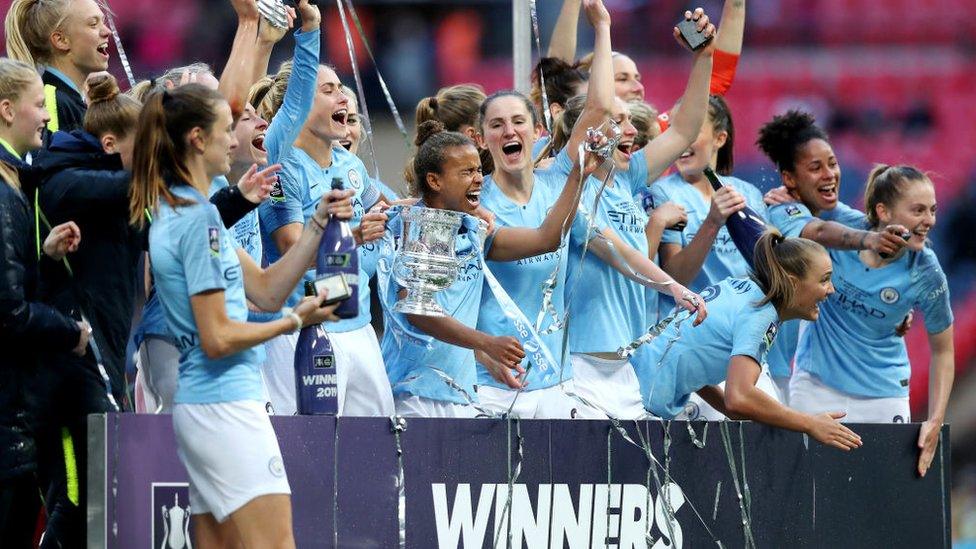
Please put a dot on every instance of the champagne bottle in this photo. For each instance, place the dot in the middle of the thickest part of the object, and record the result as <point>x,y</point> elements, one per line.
<point>745,226</point>
<point>337,254</point>
<point>316,384</point>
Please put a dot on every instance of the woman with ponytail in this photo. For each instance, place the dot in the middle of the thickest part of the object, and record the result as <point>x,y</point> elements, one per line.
<point>456,107</point>
<point>792,277</point>
<point>65,39</point>
<point>853,359</point>
<point>26,324</point>
<point>224,437</point>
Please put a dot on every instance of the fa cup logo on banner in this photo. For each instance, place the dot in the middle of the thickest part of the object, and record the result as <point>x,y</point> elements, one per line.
<point>171,516</point>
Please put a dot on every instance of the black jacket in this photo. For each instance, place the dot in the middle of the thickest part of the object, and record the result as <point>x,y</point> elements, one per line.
<point>79,182</point>
<point>69,112</point>
<point>25,326</point>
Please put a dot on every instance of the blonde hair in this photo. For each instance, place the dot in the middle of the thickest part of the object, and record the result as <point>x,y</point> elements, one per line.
<point>885,186</point>
<point>268,93</point>
<point>453,106</point>
<point>15,76</point>
<point>644,119</point>
<point>29,25</point>
<point>776,259</point>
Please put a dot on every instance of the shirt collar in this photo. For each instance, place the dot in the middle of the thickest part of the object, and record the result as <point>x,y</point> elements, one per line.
<point>9,148</point>
<point>64,78</point>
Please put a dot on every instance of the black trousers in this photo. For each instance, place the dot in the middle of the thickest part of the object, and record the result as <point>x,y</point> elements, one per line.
<point>20,504</point>
<point>62,445</point>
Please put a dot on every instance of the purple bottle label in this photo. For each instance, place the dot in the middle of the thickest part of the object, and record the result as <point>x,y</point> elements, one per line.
<point>316,381</point>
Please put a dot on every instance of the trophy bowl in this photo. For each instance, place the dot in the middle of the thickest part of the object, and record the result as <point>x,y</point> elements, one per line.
<point>426,262</point>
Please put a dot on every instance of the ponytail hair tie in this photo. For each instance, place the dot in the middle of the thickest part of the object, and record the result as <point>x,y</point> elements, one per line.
<point>777,240</point>
<point>433,103</point>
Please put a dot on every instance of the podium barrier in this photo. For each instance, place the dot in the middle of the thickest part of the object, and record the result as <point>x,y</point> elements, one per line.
<point>542,484</point>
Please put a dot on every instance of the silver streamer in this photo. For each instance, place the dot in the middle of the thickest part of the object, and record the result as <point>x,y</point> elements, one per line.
<point>386,89</point>
<point>123,58</point>
<point>542,80</point>
<point>513,474</point>
<point>367,126</point>
<point>449,381</point>
<point>748,541</point>
<point>700,444</point>
<point>718,492</point>
<point>398,425</point>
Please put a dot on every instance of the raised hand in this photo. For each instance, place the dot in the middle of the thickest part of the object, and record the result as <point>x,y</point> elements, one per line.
<point>596,13</point>
<point>272,34</point>
<point>311,17</point>
<point>372,226</point>
<point>247,10</point>
<point>256,185</point>
<point>62,240</point>
<point>704,25</point>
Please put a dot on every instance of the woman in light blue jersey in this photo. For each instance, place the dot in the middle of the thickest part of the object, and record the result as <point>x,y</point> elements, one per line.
<point>852,359</point>
<point>225,440</point>
<point>613,304</point>
<point>810,174</point>
<point>429,359</point>
<point>792,277</point>
<point>315,162</point>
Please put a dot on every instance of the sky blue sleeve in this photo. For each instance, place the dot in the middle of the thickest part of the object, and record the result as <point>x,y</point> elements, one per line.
<point>933,296</point>
<point>659,195</point>
<point>754,199</point>
<point>199,246</point>
<point>789,218</point>
<point>275,213</point>
<point>563,163</point>
<point>298,99</point>
<point>846,215</point>
<point>755,332</point>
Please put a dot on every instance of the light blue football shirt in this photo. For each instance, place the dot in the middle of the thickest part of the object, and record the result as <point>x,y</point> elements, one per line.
<point>303,183</point>
<point>410,354</point>
<point>524,279</point>
<point>853,346</point>
<point>193,253</point>
<point>724,260</point>
<point>685,358</point>
<point>607,310</point>
<point>790,219</point>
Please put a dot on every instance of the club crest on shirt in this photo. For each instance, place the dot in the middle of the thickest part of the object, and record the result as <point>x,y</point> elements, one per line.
<point>354,179</point>
<point>793,210</point>
<point>889,295</point>
<point>277,191</point>
<point>213,236</point>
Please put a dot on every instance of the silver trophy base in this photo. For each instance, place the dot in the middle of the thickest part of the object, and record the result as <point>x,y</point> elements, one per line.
<point>419,303</point>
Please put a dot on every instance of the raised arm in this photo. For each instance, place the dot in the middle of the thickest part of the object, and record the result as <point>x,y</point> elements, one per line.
<point>297,103</point>
<point>687,119</point>
<point>268,36</point>
<point>942,372</point>
<point>746,401</point>
<point>600,95</point>
<point>731,28</point>
<point>237,76</point>
<point>562,44</point>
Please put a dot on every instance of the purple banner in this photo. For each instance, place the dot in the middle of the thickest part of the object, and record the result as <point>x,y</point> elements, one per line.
<point>542,484</point>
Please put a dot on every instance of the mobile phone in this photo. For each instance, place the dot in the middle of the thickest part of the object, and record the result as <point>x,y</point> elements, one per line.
<point>695,39</point>
<point>335,286</point>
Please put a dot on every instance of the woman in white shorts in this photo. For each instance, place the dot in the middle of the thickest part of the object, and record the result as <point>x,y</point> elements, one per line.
<point>224,436</point>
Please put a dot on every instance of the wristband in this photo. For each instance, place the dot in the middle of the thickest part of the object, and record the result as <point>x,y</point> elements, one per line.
<point>287,311</point>
<point>317,223</point>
